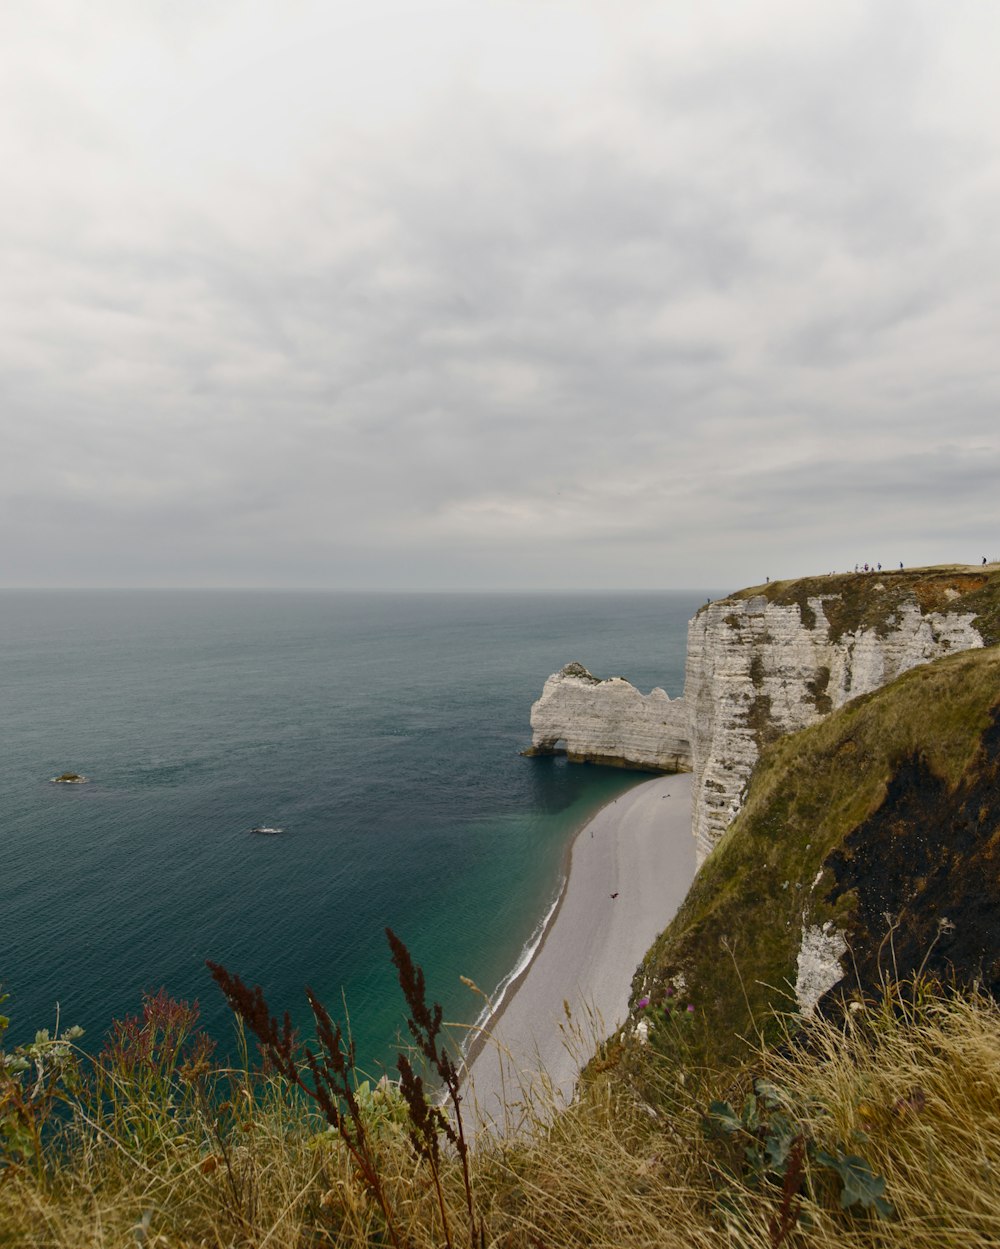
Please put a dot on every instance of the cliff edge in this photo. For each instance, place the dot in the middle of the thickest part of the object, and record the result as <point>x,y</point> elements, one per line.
<point>777,658</point>
<point>764,662</point>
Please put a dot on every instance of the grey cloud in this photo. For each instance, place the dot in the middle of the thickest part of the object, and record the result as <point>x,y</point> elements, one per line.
<point>747,300</point>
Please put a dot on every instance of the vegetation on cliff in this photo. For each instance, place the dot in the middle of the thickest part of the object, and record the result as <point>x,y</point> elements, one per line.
<point>882,821</point>
<point>882,1130</point>
<point>870,600</point>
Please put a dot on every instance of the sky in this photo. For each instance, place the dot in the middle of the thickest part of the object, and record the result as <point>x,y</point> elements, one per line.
<point>493,294</point>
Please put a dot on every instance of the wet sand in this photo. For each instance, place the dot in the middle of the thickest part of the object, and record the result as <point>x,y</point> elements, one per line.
<point>629,870</point>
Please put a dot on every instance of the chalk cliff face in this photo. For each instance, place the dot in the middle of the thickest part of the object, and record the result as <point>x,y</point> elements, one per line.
<point>762,663</point>
<point>609,722</point>
<point>759,667</point>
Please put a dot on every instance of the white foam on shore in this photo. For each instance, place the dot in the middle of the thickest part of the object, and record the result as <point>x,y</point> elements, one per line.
<point>525,959</point>
<point>585,952</point>
<point>530,949</point>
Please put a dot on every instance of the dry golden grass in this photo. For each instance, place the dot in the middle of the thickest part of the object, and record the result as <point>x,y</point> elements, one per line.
<point>912,1085</point>
<point>916,1082</point>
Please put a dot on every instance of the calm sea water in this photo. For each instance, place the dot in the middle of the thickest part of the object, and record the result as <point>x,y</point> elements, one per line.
<point>380,731</point>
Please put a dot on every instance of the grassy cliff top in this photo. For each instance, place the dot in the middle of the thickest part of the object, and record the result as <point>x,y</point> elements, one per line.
<point>855,601</point>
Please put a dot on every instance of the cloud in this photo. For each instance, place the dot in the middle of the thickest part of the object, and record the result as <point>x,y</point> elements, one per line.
<point>503,294</point>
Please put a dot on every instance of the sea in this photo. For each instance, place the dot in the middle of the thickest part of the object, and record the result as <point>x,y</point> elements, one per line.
<point>379,731</point>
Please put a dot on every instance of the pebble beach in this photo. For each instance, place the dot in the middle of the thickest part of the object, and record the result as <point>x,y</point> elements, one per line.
<point>629,869</point>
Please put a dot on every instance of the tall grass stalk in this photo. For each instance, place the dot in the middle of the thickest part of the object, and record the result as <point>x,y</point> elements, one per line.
<point>911,1083</point>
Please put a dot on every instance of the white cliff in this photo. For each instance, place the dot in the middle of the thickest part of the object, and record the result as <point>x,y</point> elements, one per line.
<point>760,663</point>
<point>757,669</point>
<point>610,722</point>
<point>818,966</point>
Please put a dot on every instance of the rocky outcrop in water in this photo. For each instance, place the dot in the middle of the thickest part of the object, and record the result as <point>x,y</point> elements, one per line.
<point>609,722</point>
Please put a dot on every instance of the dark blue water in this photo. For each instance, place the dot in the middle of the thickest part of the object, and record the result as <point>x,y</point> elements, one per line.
<point>380,731</point>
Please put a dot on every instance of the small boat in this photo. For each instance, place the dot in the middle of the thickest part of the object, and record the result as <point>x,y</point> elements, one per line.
<point>264,830</point>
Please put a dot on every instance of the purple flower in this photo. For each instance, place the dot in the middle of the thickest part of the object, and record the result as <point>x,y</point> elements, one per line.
<point>670,990</point>
<point>690,1010</point>
<point>642,1003</point>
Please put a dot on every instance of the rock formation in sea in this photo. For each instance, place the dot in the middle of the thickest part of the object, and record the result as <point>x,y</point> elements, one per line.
<point>609,722</point>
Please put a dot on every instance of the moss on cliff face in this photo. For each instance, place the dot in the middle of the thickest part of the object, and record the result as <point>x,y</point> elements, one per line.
<point>853,601</point>
<point>817,689</point>
<point>890,806</point>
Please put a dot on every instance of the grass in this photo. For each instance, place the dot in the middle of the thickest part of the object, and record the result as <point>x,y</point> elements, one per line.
<point>913,1083</point>
<point>187,1154</point>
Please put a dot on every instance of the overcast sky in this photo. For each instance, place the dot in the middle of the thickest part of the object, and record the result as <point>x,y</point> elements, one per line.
<point>496,294</point>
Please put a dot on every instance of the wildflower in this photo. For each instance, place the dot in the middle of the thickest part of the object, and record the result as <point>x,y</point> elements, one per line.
<point>670,990</point>
<point>643,1002</point>
<point>690,1009</point>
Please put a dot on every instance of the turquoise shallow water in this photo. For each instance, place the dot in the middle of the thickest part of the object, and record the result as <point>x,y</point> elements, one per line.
<point>380,731</point>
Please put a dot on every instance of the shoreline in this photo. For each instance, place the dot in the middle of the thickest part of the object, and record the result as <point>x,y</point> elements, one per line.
<point>481,1029</point>
<point>639,852</point>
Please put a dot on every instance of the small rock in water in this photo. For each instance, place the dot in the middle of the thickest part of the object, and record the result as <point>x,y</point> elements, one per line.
<point>69,778</point>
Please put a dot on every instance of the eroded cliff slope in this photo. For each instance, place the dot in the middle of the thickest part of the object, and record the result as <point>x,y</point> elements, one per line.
<point>869,845</point>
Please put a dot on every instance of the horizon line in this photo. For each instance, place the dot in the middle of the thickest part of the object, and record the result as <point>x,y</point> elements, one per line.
<point>268,589</point>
